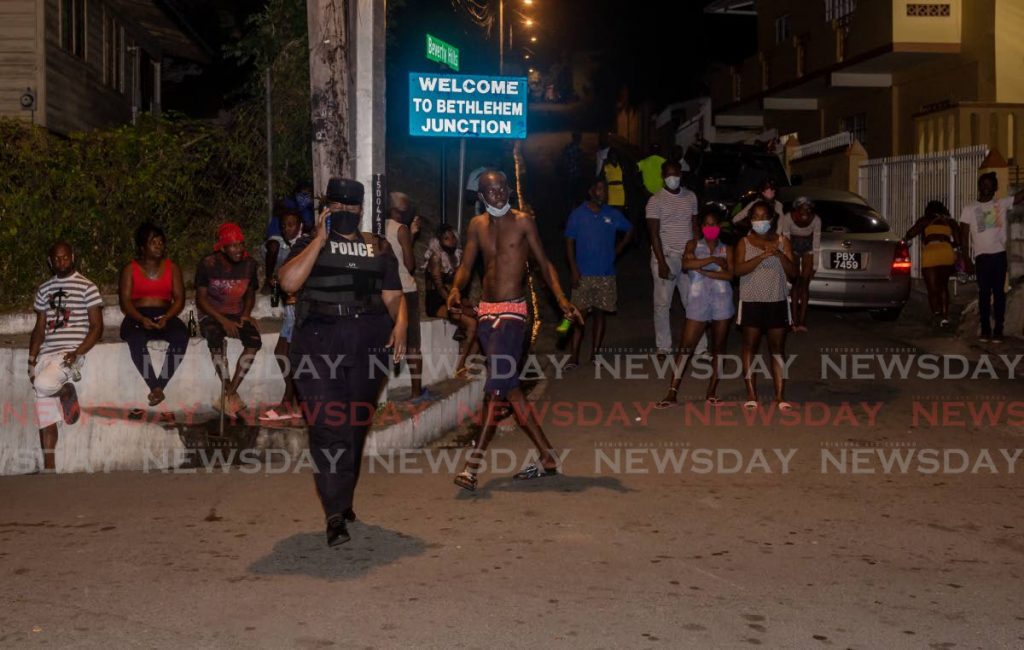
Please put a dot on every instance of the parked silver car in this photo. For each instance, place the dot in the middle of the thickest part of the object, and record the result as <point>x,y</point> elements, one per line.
<point>863,264</point>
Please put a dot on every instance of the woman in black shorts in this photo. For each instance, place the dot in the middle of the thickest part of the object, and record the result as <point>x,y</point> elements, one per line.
<point>442,259</point>
<point>763,261</point>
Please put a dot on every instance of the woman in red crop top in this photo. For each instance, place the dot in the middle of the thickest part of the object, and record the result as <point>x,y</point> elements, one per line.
<point>152,295</point>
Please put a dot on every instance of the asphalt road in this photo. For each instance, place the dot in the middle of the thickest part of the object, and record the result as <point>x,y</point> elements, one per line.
<point>801,530</point>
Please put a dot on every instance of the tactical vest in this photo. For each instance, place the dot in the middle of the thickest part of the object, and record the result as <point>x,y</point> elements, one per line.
<point>348,273</point>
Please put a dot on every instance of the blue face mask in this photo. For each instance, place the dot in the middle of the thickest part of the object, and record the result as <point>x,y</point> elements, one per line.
<point>761,227</point>
<point>303,200</point>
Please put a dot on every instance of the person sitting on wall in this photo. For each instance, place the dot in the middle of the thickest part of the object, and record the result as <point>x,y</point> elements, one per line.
<point>225,295</point>
<point>69,322</point>
<point>277,250</point>
<point>440,262</point>
<point>152,295</point>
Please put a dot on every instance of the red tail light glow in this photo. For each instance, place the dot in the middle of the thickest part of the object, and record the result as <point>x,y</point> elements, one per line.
<point>901,259</point>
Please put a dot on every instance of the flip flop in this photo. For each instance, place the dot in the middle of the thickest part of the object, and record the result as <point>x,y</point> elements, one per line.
<point>785,406</point>
<point>534,471</point>
<point>271,415</point>
<point>751,405</point>
<point>466,480</point>
<point>153,401</point>
<point>69,403</point>
<point>136,414</point>
<point>714,401</point>
<point>424,396</point>
<point>665,404</point>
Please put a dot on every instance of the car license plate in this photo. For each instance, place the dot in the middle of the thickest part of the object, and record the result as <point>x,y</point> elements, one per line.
<point>846,261</point>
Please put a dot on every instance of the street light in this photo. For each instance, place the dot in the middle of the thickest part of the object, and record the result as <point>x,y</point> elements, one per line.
<point>528,22</point>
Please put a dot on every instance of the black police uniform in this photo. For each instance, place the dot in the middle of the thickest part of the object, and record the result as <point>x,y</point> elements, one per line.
<point>341,324</point>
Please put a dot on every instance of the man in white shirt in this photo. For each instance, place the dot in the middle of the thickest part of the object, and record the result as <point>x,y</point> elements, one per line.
<point>69,322</point>
<point>671,218</point>
<point>987,219</point>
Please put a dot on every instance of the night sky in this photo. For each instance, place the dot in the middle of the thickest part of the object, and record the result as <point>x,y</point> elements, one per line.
<point>660,51</point>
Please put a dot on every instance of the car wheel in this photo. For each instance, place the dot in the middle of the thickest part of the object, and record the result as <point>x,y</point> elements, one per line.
<point>886,315</point>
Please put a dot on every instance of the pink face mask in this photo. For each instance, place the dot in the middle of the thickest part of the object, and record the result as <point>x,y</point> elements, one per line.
<point>710,232</point>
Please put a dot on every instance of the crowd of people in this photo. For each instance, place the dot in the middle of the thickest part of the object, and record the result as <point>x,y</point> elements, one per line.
<point>354,296</point>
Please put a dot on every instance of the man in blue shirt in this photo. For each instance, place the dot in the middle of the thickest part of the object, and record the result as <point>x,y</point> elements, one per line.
<point>590,240</point>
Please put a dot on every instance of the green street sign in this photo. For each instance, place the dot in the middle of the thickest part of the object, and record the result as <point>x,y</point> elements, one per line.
<point>443,53</point>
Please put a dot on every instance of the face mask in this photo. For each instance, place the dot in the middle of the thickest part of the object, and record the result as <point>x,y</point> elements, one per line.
<point>672,182</point>
<point>344,222</point>
<point>499,212</point>
<point>710,232</point>
<point>761,227</point>
<point>303,200</point>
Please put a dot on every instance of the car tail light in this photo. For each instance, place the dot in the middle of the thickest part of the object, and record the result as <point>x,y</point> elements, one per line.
<point>901,259</point>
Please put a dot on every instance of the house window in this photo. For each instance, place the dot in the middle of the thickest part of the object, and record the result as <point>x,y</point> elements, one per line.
<point>782,29</point>
<point>839,9</point>
<point>840,44</point>
<point>72,27</point>
<point>113,52</point>
<point>855,125</point>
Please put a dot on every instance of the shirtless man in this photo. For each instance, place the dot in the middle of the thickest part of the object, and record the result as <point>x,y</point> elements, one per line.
<point>506,237</point>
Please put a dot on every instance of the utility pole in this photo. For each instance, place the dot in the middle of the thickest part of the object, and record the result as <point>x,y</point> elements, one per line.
<point>329,86</point>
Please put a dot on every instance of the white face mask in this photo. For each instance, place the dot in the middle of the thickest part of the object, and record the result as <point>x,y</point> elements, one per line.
<point>761,227</point>
<point>672,182</point>
<point>499,212</point>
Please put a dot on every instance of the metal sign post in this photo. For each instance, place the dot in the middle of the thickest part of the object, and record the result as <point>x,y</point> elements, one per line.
<point>462,182</point>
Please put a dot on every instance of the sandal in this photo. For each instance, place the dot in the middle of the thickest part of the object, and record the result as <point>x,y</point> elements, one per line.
<point>666,404</point>
<point>751,405</point>
<point>466,480</point>
<point>784,406</point>
<point>272,415</point>
<point>714,401</point>
<point>156,399</point>
<point>136,414</point>
<point>534,471</point>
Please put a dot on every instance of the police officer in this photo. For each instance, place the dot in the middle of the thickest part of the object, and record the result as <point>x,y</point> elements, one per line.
<point>350,309</point>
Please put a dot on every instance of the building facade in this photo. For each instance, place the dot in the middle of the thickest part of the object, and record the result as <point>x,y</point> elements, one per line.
<point>75,65</point>
<point>902,77</point>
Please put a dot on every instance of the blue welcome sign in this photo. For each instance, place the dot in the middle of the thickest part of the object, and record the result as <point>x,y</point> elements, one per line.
<point>467,106</point>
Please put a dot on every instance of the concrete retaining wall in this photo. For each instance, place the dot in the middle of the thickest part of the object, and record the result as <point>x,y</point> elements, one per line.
<point>110,382</point>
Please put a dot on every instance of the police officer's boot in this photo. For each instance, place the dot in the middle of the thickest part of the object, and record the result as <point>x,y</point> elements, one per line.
<point>337,531</point>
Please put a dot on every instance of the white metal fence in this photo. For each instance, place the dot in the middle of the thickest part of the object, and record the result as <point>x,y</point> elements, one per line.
<point>899,187</point>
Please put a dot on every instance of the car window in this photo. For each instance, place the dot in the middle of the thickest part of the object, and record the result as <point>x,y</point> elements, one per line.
<point>837,216</point>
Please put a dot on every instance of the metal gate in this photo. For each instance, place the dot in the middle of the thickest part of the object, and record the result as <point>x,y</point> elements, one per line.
<point>901,186</point>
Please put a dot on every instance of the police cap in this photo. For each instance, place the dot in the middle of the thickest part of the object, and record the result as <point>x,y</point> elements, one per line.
<point>345,191</point>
